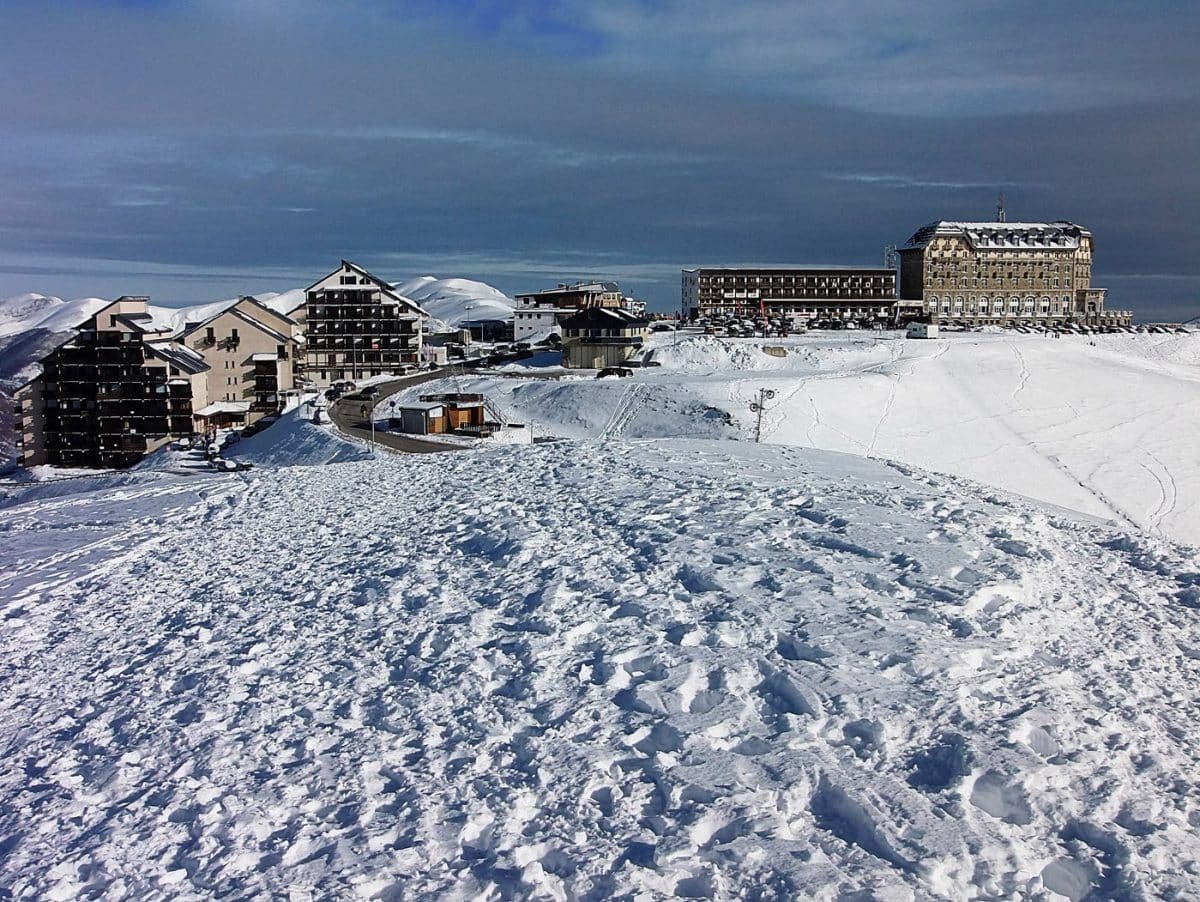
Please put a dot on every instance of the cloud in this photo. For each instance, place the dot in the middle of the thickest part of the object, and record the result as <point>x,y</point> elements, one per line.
<point>227,138</point>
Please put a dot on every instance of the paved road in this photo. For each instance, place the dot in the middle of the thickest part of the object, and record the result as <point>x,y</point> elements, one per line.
<point>347,415</point>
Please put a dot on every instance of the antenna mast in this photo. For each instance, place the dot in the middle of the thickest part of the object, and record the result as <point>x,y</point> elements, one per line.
<point>1001,215</point>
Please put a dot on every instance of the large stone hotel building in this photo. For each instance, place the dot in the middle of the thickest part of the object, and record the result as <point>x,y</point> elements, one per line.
<point>999,273</point>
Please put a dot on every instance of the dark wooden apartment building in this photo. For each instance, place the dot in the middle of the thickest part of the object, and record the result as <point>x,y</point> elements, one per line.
<point>357,327</point>
<point>116,390</point>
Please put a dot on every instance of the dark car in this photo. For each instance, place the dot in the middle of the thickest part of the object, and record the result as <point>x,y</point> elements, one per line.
<point>620,371</point>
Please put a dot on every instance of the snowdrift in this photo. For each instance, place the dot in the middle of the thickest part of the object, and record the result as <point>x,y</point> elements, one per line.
<point>295,442</point>
<point>593,670</point>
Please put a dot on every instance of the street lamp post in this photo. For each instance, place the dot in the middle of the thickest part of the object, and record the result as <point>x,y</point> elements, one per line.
<point>764,395</point>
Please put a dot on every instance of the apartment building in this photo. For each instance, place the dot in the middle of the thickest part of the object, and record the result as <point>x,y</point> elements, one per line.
<point>540,313</point>
<point>808,292</point>
<point>357,327</point>
<point>116,390</point>
<point>998,273</point>
<point>254,356</point>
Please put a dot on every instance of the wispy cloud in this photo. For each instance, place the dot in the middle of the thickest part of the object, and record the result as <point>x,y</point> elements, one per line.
<point>913,182</point>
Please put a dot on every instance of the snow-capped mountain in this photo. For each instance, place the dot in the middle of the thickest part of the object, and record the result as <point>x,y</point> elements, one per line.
<point>590,670</point>
<point>450,301</point>
<point>455,301</point>
<point>26,312</point>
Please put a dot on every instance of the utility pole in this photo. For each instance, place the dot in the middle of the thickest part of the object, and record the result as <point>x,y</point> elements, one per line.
<point>764,395</point>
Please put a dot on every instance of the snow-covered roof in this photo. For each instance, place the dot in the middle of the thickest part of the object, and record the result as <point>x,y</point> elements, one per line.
<point>178,356</point>
<point>223,407</point>
<point>263,358</point>
<point>1059,235</point>
<point>607,316</point>
<point>387,292</point>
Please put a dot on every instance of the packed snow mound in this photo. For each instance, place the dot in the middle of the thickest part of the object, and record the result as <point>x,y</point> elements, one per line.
<point>590,670</point>
<point>455,301</point>
<point>294,441</point>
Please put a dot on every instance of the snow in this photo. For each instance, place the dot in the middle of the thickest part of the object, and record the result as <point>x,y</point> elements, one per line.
<point>295,441</point>
<point>26,312</point>
<point>451,301</point>
<point>34,311</point>
<point>1089,423</point>
<point>592,670</point>
<point>455,301</point>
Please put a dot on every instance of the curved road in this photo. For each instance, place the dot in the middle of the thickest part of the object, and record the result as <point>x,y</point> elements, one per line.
<point>347,415</point>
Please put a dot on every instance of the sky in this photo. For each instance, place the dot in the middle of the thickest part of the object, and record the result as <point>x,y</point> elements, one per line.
<point>200,150</point>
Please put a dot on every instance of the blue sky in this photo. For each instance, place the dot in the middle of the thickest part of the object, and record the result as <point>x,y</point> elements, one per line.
<point>198,150</point>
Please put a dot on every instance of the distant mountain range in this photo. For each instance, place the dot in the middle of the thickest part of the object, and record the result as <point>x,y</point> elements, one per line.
<point>449,301</point>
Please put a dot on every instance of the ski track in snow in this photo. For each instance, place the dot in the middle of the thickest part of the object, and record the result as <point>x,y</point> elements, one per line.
<point>1068,421</point>
<point>691,669</point>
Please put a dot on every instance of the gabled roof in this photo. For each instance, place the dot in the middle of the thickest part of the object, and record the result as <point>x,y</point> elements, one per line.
<point>255,302</point>
<point>178,355</point>
<point>384,287</point>
<point>611,317</point>
<point>247,318</point>
<point>280,337</point>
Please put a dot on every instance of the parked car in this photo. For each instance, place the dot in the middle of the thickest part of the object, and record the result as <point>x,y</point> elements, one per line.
<point>619,371</point>
<point>252,429</point>
<point>371,392</point>
<point>229,466</point>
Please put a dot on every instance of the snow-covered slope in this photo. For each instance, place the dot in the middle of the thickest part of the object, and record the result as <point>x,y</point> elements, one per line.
<point>294,441</point>
<point>27,312</point>
<point>1102,425</point>
<point>592,670</point>
<point>454,301</point>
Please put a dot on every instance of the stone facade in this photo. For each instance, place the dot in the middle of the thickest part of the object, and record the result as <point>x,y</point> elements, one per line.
<point>1002,273</point>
